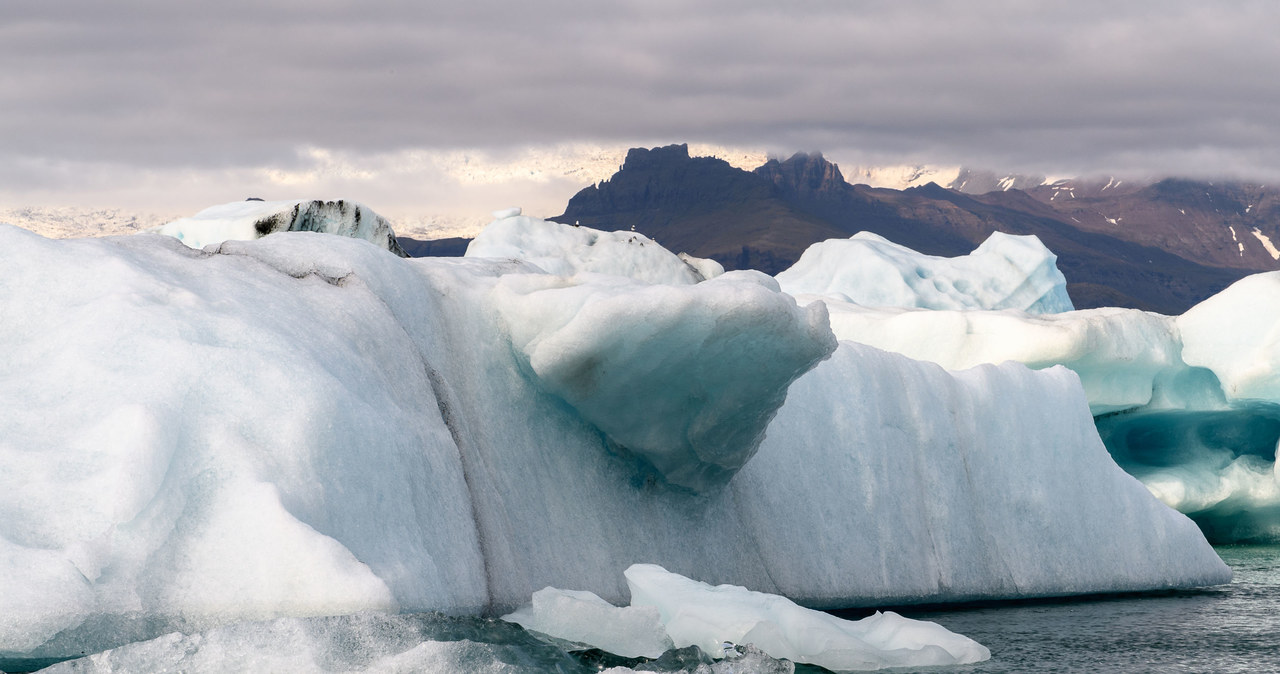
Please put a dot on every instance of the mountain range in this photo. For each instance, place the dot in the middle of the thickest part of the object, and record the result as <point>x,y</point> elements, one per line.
<point>1161,246</point>
<point>1155,245</point>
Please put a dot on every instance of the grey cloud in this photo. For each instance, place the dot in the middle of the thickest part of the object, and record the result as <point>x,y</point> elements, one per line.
<point>1076,87</point>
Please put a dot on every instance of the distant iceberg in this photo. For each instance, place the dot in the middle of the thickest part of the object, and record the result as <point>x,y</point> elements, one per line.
<point>565,251</point>
<point>305,425</point>
<point>254,218</point>
<point>1005,272</point>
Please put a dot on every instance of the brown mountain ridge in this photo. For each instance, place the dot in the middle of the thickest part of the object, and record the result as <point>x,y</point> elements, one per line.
<point>1117,245</point>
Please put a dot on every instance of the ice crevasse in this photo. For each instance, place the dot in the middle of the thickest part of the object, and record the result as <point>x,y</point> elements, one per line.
<point>308,425</point>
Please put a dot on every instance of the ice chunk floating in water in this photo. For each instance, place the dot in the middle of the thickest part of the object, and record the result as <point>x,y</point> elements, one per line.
<point>583,620</point>
<point>668,610</point>
<point>697,614</point>
<point>306,424</point>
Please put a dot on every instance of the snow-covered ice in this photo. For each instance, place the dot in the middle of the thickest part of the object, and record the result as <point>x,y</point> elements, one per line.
<point>565,251</point>
<point>306,424</point>
<point>1005,272</point>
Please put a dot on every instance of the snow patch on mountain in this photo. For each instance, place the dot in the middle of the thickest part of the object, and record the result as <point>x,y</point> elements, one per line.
<point>1266,243</point>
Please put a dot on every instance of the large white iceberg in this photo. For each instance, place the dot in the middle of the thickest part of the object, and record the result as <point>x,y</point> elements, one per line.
<point>1005,272</point>
<point>254,218</point>
<point>1190,404</point>
<point>305,424</point>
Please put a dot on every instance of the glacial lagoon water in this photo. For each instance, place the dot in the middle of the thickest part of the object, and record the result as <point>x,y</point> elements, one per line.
<point>1232,628</point>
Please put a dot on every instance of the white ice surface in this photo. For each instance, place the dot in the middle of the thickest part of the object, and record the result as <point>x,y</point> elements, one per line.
<point>697,614</point>
<point>306,424</point>
<point>1246,355</point>
<point>969,440</point>
<point>567,250</point>
<point>1005,272</point>
<point>685,378</point>
<point>203,438</point>
<point>1201,391</point>
<point>1125,358</point>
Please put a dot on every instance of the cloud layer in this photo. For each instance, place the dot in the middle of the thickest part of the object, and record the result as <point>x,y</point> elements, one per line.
<point>96,95</point>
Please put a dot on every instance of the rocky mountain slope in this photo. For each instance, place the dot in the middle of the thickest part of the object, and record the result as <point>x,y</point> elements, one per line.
<point>1235,225</point>
<point>764,219</point>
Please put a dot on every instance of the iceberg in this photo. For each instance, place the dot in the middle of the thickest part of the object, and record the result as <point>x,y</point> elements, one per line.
<point>565,251</point>
<point>1005,272</point>
<point>1125,358</point>
<point>1190,407</point>
<point>307,425</point>
<point>254,218</point>
<point>1246,357</point>
<point>684,378</point>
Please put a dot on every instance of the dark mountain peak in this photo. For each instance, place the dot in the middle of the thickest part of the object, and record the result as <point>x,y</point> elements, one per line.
<point>1161,246</point>
<point>664,180</point>
<point>1177,188</point>
<point>930,190</point>
<point>803,172</point>
<point>639,157</point>
<point>1194,194</point>
<point>669,164</point>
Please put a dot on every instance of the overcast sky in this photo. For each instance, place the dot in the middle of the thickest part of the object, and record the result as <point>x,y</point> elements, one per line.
<point>159,103</point>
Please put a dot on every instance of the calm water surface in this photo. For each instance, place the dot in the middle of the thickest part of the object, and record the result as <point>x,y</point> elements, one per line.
<point>1233,628</point>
